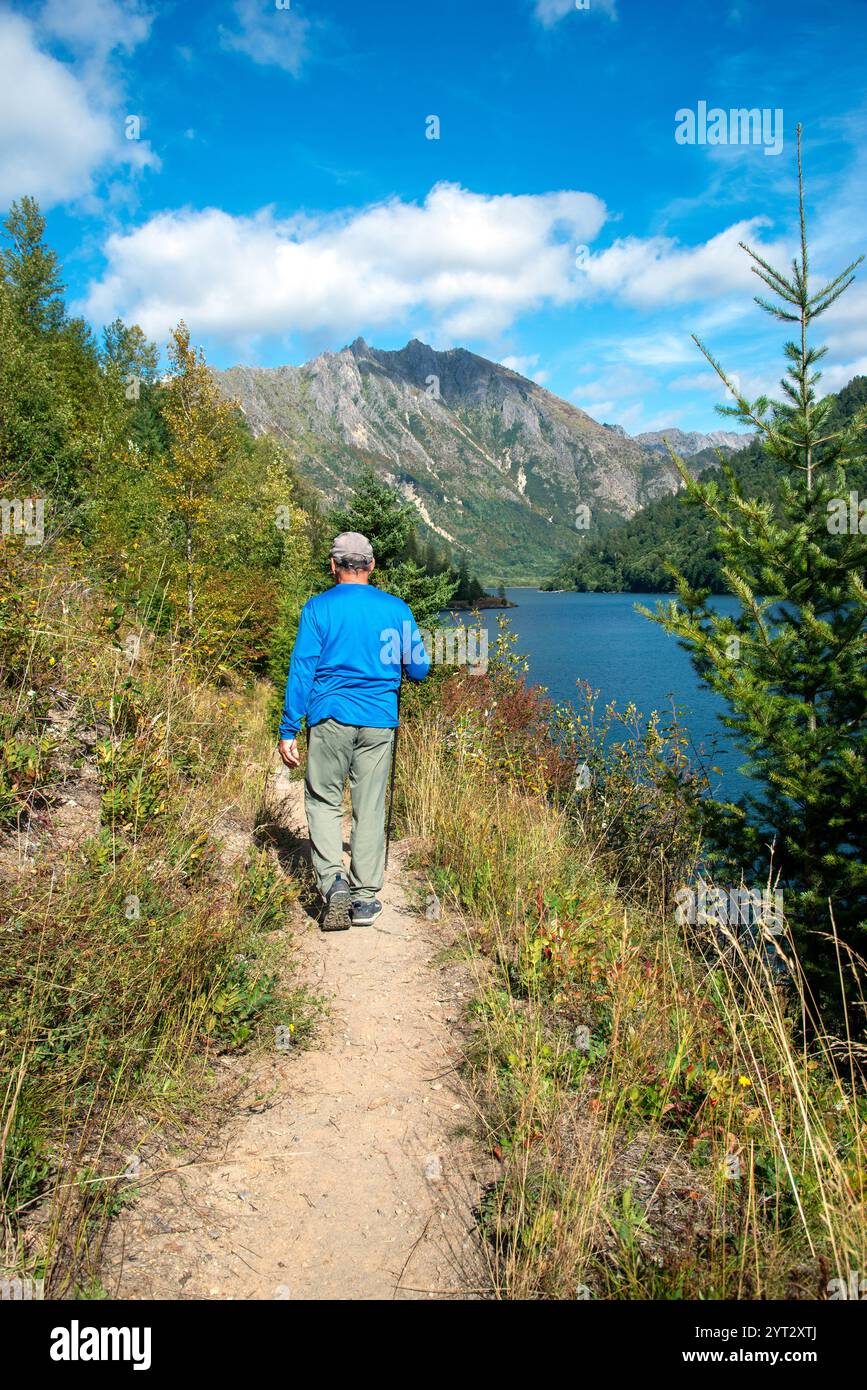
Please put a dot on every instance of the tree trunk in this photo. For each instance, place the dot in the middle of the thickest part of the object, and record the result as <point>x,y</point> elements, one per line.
<point>189,530</point>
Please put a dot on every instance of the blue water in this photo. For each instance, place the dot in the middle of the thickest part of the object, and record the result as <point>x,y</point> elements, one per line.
<point>601,638</point>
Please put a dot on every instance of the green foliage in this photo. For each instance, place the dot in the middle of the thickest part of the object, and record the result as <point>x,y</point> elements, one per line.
<point>200,528</point>
<point>426,594</point>
<point>176,545</point>
<point>792,666</point>
<point>57,420</point>
<point>389,523</point>
<point>636,796</point>
<point>468,588</point>
<point>134,781</point>
<point>264,894</point>
<point>133,954</point>
<point>31,270</point>
<point>25,772</point>
<point>127,352</point>
<point>26,1164</point>
<point>37,447</point>
<point>243,995</point>
<point>381,514</point>
<point>676,534</point>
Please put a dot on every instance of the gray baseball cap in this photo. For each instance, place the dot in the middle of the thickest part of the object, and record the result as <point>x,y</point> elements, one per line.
<point>353,547</point>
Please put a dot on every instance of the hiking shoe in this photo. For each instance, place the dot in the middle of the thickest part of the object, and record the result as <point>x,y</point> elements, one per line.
<point>338,904</point>
<point>365,911</point>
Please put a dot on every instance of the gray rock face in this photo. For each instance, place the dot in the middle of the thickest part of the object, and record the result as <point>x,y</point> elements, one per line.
<point>496,465</point>
<point>689,442</point>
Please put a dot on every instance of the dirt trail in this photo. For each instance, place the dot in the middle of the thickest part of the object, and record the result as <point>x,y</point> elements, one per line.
<point>341,1174</point>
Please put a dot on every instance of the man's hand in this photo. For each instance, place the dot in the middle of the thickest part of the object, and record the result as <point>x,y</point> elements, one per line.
<point>289,752</point>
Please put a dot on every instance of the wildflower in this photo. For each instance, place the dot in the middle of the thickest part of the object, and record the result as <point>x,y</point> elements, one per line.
<point>744,1081</point>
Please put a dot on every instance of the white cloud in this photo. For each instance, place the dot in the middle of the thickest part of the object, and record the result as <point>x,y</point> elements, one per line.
<point>658,271</point>
<point>667,349</point>
<point>600,410</point>
<point>617,382</point>
<point>844,328</point>
<point>61,123</point>
<point>698,381</point>
<point>527,366</point>
<point>50,137</point>
<point>637,422</point>
<point>95,27</point>
<point>524,365</point>
<point>550,12</point>
<point>621,390</point>
<point>470,263</point>
<point>270,36</point>
<point>839,375</point>
<point>633,419</point>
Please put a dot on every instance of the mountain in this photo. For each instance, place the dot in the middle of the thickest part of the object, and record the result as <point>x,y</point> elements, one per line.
<point>496,465</point>
<point>689,442</point>
<point>630,558</point>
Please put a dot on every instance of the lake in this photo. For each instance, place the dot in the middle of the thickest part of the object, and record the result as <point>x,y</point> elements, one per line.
<point>601,638</point>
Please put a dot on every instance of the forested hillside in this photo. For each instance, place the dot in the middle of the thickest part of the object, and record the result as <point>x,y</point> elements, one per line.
<point>637,556</point>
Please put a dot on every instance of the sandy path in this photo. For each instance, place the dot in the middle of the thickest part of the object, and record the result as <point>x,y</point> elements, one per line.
<point>342,1174</point>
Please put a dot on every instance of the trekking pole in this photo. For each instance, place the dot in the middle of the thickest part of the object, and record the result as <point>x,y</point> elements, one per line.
<point>393,771</point>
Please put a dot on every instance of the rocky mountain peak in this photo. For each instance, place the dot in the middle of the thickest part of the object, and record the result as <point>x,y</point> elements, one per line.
<point>689,442</point>
<point>496,465</point>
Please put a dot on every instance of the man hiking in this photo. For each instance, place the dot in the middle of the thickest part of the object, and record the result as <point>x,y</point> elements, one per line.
<point>353,643</point>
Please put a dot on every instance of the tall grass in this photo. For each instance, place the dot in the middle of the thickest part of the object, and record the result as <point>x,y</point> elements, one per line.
<point>669,1117</point>
<point>142,932</point>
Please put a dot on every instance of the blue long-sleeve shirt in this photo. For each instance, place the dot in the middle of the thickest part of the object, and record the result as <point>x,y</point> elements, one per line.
<point>353,642</point>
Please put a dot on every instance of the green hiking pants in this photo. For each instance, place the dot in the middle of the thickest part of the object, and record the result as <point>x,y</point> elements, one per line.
<point>335,752</point>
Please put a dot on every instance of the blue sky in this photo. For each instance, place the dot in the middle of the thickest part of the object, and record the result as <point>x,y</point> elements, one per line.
<point>283,195</point>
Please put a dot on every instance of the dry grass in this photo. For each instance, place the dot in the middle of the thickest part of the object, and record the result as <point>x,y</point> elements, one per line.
<point>664,1129</point>
<point>142,929</point>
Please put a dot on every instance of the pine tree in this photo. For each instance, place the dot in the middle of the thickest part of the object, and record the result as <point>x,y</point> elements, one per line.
<point>35,419</point>
<point>31,269</point>
<point>128,353</point>
<point>381,514</point>
<point>792,665</point>
<point>427,594</point>
<point>433,561</point>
